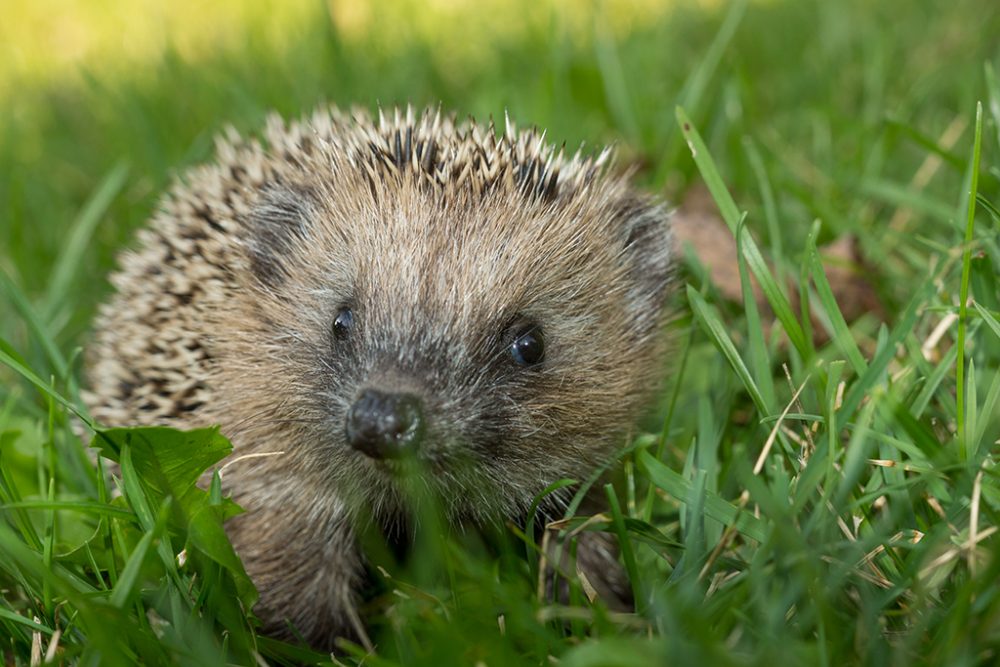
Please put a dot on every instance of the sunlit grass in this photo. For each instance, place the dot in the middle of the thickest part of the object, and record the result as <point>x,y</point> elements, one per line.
<point>50,40</point>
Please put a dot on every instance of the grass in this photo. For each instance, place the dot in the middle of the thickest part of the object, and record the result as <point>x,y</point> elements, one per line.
<point>812,489</point>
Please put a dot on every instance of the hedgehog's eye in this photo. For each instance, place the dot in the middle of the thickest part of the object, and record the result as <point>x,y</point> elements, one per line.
<point>343,323</point>
<point>528,347</point>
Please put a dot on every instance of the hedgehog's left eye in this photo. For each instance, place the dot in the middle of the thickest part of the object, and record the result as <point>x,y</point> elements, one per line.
<point>343,323</point>
<point>528,347</point>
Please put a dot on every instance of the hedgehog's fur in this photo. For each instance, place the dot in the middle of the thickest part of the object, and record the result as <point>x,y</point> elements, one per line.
<point>439,235</point>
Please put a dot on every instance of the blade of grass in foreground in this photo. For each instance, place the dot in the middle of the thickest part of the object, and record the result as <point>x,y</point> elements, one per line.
<point>963,305</point>
<point>129,578</point>
<point>42,386</point>
<point>715,507</point>
<point>717,332</point>
<point>84,506</point>
<point>16,618</point>
<point>625,544</point>
<point>731,215</point>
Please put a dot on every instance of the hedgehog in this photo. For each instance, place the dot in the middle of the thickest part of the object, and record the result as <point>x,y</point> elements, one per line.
<point>356,292</point>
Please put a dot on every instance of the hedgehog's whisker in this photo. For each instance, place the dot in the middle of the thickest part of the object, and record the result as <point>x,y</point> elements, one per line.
<point>238,459</point>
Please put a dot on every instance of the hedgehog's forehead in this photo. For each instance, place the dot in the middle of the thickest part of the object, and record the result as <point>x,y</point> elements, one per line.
<point>472,259</point>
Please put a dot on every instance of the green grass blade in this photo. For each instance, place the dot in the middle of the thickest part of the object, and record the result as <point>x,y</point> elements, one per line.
<point>985,290</point>
<point>904,197</point>
<point>774,231</point>
<point>129,577</point>
<point>990,407</point>
<point>760,359</point>
<point>39,384</point>
<point>857,451</point>
<point>625,544</point>
<point>715,507</point>
<point>927,142</point>
<point>82,229</point>
<point>39,331</point>
<point>9,493</point>
<point>716,331</point>
<point>842,337</point>
<point>972,411</point>
<point>989,207</point>
<point>963,299</point>
<point>135,494</point>
<point>531,549</point>
<point>933,382</point>
<point>26,622</point>
<point>865,384</point>
<point>991,321</point>
<point>993,90</point>
<point>731,215</point>
<point>85,506</point>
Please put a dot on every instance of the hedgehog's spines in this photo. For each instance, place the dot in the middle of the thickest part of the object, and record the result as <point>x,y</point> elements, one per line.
<point>429,147</point>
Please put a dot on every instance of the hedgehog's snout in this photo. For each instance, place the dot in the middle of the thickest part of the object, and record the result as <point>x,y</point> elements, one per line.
<point>385,425</point>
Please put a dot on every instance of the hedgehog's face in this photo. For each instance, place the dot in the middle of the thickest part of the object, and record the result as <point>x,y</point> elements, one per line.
<point>452,402</point>
<point>389,420</point>
<point>498,342</point>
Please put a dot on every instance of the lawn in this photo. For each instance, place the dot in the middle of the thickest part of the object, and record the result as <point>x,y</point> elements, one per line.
<point>817,484</point>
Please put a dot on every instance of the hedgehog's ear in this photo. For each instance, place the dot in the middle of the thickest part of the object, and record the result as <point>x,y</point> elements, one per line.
<point>278,222</point>
<point>647,251</point>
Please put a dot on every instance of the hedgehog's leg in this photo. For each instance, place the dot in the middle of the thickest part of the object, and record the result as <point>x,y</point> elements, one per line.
<point>305,564</point>
<point>593,560</point>
<point>597,560</point>
<point>596,563</point>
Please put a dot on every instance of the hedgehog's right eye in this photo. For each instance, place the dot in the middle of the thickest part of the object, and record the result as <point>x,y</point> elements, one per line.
<point>343,323</point>
<point>528,346</point>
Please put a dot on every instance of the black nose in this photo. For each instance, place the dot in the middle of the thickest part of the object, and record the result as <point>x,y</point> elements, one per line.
<point>384,426</point>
